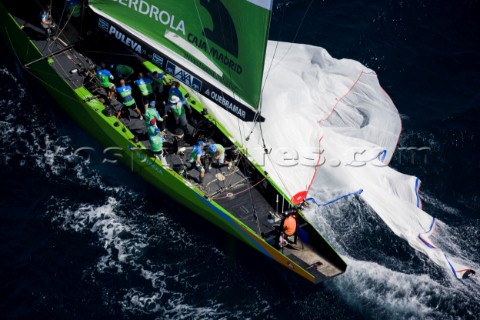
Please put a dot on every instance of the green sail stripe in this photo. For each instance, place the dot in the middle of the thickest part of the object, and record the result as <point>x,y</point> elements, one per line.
<point>231,34</point>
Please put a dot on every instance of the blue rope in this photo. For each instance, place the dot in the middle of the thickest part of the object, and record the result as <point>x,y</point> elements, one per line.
<point>417,184</point>
<point>334,200</point>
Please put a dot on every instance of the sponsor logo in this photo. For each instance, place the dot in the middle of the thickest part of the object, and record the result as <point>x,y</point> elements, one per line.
<point>225,103</point>
<point>183,76</point>
<point>129,42</point>
<point>157,60</point>
<point>104,25</point>
<point>153,12</point>
<point>222,58</point>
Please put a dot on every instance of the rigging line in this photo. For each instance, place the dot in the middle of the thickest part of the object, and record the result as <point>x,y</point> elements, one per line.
<point>234,194</point>
<point>359,191</point>
<point>201,24</point>
<point>68,46</point>
<point>83,21</point>
<point>231,186</point>
<point>50,86</point>
<point>216,179</point>
<point>63,12</point>
<point>46,48</point>
<point>61,17</point>
<point>263,139</point>
<point>280,177</point>
<point>268,72</point>
<point>234,162</point>
<point>257,115</point>
<point>298,30</point>
<point>254,125</point>
<point>253,204</point>
<point>237,158</point>
<point>51,55</point>
<point>64,26</point>
<point>13,48</point>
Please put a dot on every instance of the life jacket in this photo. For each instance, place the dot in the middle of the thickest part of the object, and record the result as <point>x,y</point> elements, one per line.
<point>290,225</point>
<point>156,143</point>
<point>104,78</point>
<point>151,113</point>
<point>195,152</point>
<point>178,109</point>
<point>220,149</point>
<point>145,86</point>
<point>126,95</point>
<point>152,130</point>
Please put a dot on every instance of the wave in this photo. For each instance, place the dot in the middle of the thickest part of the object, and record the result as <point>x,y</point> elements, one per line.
<point>159,268</point>
<point>380,292</point>
<point>385,278</point>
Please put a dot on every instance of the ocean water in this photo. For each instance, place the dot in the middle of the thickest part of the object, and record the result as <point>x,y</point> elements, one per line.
<point>87,239</point>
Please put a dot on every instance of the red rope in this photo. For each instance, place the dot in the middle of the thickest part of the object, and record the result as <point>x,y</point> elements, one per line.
<point>326,118</point>
<point>316,165</point>
<point>338,100</point>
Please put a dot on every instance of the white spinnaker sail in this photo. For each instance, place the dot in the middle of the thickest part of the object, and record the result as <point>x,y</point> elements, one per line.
<point>334,113</point>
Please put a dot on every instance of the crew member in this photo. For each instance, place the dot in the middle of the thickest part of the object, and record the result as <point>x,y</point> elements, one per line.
<point>178,111</point>
<point>123,71</point>
<point>152,128</point>
<point>145,86</point>
<point>152,113</point>
<point>156,145</point>
<point>104,76</point>
<point>47,21</point>
<point>217,151</point>
<point>288,227</point>
<point>125,93</point>
<point>157,84</point>
<point>175,91</point>
<point>196,160</point>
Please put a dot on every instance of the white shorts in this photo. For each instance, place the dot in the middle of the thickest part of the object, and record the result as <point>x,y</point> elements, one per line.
<point>221,159</point>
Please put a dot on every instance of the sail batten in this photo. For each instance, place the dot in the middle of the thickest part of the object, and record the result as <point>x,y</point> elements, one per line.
<point>226,40</point>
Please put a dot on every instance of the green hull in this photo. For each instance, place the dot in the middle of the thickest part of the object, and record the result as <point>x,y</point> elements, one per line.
<point>90,117</point>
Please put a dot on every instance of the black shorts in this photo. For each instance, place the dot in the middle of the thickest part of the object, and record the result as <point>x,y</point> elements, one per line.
<point>147,99</point>
<point>158,152</point>
<point>133,106</point>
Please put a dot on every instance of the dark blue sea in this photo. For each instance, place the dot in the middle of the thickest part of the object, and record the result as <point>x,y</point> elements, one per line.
<point>84,239</point>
